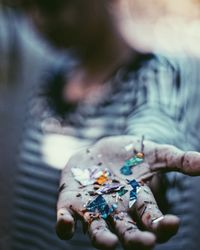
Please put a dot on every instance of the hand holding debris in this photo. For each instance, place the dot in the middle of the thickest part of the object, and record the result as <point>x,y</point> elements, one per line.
<point>108,187</point>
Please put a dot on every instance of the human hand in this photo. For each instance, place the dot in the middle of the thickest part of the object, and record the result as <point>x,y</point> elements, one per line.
<point>137,222</point>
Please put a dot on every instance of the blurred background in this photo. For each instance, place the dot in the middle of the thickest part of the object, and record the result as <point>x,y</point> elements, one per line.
<point>170,26</point>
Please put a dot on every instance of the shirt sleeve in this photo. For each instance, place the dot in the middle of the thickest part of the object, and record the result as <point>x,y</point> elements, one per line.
<point>160,102</point>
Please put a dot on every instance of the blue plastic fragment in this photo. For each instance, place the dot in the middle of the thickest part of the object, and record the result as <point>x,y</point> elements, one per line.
<point>133,193</point>
<point>104,210</point>
<point>125,170</point>
<point>113,207</point>
<point>134,184</point>
<point>133,161</point>
<point>129,164</point>
<point>100,204</point>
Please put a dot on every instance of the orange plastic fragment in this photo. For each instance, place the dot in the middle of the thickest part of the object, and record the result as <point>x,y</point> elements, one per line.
<point>140,155</point>
<point>102,179</point>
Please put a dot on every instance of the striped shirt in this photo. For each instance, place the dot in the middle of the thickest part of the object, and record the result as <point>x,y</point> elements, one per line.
<point>153,96</point>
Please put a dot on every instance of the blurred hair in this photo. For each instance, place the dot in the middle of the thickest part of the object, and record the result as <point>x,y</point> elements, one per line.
<point>27,4</point>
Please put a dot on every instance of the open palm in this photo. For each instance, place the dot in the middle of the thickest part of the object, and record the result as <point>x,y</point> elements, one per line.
<point>108,187</point>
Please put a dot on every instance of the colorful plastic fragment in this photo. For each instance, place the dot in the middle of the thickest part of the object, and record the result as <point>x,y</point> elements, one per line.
<point>90,176</point>
<point>125,170</point>
<point>93,205</point>
<point>130,163</point>
<point>82,176</point>
<point>122,191</point>
<point>113,208</point>
<point>109,188</point>
<point>99,204</point>
<point>133,193</point>
<point>134,184</point>
<point>135,160</point>
<point>95,173</point>
<point>102,179</point>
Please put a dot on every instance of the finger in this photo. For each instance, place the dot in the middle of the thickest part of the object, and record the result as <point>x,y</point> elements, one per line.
<point>166,157</point>
<point>151,217</point>
<point>99,233</point>
<point>65,226</point>
<point>163,157</point>
<point>129,234</point>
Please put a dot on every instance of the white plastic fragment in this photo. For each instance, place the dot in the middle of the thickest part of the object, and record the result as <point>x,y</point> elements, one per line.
<point>158,219</point>
<point>82,176</point>
<point>129,147</point>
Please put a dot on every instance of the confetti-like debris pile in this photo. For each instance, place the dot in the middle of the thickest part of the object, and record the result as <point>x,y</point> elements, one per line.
<point>103,182</point>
